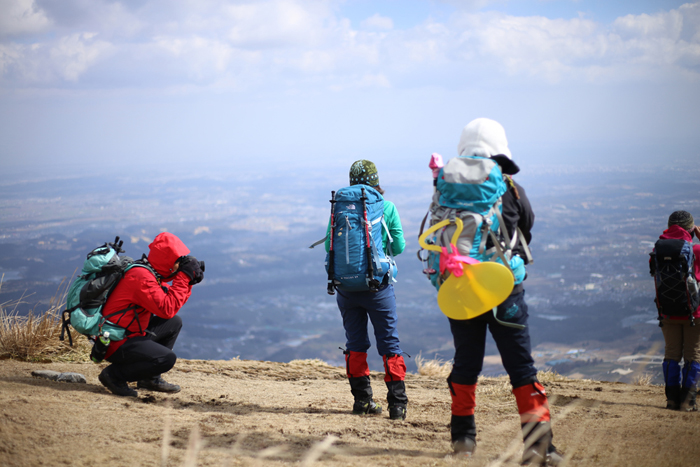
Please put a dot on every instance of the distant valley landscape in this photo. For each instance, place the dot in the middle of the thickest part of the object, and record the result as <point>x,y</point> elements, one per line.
<point>264,298</point>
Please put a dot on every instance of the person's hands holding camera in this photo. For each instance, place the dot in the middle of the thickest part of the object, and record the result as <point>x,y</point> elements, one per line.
<point>192,268</point>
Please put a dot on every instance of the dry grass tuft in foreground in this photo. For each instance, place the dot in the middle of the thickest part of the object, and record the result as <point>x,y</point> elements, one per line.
<point>309,362</point>
<point>435,368</point>
<point>643,380</point>
<point>35,337</point>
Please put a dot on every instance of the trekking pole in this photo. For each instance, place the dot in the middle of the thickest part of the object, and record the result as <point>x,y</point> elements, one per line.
<point>371,281</point>
<point>331,253</point>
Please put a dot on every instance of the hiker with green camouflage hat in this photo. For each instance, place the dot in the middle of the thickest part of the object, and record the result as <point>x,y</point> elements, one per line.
<point>675,265</point>
<point>377,305</point>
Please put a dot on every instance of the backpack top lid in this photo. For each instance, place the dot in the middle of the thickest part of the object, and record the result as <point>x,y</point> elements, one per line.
<point>354,193</point>
<point>98,258</point>
<point>470,183</point>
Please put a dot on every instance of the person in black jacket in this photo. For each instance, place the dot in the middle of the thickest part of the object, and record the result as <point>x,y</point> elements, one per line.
<point>486,138</point>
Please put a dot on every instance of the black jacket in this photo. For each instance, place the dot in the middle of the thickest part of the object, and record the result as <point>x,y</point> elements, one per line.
<point>517,212</point>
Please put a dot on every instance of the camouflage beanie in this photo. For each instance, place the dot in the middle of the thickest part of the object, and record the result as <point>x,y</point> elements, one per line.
<point>364,172</point>
<point>682,219</point>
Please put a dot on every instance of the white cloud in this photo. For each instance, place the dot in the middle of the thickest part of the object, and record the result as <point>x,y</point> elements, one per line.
<point>276,23</point>
<point>18,17</point>
<point>65,60</point>
<point>378,22</point>
<point>296,43</point>
<point>556,49</point>
<point>74,54</point>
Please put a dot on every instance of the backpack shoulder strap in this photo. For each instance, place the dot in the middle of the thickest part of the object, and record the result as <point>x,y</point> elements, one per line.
<point>143,263</point>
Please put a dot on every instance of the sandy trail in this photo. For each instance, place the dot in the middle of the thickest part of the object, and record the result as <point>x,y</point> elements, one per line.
<point>263,413</point>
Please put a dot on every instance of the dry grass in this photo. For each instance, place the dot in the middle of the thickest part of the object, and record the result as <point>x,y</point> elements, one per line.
<point>550,376</point>
<point>643,379</point>
<point>435,368</point>
<point>35,337</point>
<point>309,362</point>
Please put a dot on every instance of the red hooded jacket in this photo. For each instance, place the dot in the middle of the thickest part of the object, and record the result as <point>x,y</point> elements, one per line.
<point>141,292</point>
<point>676,232</point>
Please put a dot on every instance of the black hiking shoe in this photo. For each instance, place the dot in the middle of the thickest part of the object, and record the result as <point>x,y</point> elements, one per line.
<point>366,408</point>
<point>118,388</point>
<point>397,412</point>
<point>158,384</point>
<point>533,456</point>
<point>464,446</point>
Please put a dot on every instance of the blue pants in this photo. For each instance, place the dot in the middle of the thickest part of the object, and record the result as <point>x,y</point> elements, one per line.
<point>513,344</point>
<point>380,307</point>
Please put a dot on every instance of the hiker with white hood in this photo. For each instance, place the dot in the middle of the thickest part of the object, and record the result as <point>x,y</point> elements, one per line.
<point>485,138</point>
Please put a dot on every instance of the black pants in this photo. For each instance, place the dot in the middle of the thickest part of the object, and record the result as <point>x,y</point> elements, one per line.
<point>145,357</point>
<point>513,344</point>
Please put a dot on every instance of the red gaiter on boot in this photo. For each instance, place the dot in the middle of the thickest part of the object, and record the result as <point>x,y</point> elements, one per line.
<point>532,403</point>
<point>394,368</point>
<point>356,364</point>
<point>463,399</point>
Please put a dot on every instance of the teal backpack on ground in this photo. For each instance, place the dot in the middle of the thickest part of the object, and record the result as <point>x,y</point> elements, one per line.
<point>356,260</point>
<point>471,188</point>
<point>102,271</point>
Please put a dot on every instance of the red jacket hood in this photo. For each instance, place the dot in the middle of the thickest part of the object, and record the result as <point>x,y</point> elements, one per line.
<point>676,232</point>
<point>165,250</point>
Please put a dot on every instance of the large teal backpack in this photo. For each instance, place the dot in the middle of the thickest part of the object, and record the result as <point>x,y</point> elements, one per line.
<point>471,188</point>
<point>356,260</point>
<point>102,271</point>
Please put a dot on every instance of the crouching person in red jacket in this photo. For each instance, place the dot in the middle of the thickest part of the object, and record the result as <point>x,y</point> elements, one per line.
<point>147,309</point>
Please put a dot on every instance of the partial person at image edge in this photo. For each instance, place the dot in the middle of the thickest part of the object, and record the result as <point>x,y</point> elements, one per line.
<point>678,308</point>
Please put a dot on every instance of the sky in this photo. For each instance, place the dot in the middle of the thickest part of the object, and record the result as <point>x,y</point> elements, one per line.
<point>198,84</point>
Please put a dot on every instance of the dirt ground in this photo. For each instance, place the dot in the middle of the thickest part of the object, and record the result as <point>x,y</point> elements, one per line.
<point>252,413</point>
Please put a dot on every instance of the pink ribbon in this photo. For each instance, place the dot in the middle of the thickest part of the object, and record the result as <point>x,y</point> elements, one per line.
<point>452,261</point>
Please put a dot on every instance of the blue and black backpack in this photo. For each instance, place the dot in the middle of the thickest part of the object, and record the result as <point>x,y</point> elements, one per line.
<point>471,187</point>
<point>356,260</point>
<point>671,263</point>
<point>102,271</point>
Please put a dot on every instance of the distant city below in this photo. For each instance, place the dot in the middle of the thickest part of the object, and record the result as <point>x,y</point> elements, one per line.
<point>263,297</point>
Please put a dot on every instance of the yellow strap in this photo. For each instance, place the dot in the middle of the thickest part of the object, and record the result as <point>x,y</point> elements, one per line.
<point>439,225</point>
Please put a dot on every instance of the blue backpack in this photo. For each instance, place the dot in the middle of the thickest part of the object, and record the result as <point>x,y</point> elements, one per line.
<point>671,263</point>
<point>356,260</point>
<point>102,271</point>
<point>471,188</point>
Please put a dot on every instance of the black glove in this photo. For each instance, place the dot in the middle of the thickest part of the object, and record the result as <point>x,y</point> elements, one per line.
<point>192,268</point>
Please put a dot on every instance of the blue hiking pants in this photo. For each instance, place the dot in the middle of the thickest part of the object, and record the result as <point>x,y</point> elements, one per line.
<point>380,307</point>
<point>513,344</point>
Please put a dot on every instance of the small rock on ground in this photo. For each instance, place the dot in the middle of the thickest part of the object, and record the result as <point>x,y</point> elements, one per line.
<point>71,378</point>
<point>68,377</point>
<point>47,374</point>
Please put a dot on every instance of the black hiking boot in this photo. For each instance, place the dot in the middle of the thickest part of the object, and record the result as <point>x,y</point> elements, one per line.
<point>366,408</point>
<point>463,433</point>
<point>116,387</point>
<point>539,449</point>
<point>157,383</point>
<point>397,412</point>
<point>687,398</point>
<point>464,446</point>
<point>673,397</point>
<point>534,456</point>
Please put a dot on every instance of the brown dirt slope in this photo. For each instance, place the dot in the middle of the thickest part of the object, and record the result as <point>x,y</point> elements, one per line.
<point>261,413</point>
